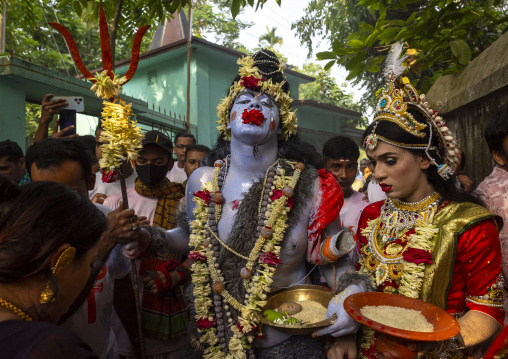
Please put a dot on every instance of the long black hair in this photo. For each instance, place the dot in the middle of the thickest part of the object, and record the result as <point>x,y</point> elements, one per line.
<point>446,188</point>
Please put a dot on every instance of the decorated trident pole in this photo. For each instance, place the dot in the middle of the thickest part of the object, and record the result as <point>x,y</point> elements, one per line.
<point>121,133</point>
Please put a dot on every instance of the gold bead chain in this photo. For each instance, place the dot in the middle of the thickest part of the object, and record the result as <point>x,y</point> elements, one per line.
<point>15,310</point>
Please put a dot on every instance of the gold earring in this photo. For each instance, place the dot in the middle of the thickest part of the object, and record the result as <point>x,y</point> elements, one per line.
<point>63,261</point>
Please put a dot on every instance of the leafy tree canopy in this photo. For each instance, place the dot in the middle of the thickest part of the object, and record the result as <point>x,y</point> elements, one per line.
<point>441,36</point>
<point>210,16</point>
<point>326,90</point>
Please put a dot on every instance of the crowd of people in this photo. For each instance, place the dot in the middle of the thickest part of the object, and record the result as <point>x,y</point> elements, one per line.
<point>209,234</point>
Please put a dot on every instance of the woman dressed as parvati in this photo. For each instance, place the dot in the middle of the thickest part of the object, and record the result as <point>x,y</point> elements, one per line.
<point>427,240</point>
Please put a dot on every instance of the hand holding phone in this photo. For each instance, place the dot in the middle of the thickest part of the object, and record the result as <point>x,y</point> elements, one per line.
<point>76,103</point>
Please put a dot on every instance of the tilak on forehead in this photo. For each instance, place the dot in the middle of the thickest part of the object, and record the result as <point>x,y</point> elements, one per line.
<point>398,97</point>
<point>252,78</point>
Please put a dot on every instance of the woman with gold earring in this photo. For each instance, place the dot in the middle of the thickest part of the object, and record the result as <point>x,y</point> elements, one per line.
<point>427,240</point>
<point>48,241</point>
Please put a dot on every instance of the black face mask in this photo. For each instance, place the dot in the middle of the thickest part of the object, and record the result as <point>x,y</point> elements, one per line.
<point>151,175</point>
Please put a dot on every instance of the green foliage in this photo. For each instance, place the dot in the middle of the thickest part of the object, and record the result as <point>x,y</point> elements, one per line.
<point>30,38</point>
<point>270,39</point>
<point>441,36</point>
<point>326,90</point>
<point>207,17</point>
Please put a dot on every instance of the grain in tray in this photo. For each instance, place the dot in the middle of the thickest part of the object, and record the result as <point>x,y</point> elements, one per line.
<point>397,317</point>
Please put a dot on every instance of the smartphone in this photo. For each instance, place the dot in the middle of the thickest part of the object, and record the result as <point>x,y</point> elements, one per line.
<point>76,103</point>
<point>67,118</point>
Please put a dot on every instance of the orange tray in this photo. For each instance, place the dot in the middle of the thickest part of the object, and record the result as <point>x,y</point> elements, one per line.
<point>445,325</point>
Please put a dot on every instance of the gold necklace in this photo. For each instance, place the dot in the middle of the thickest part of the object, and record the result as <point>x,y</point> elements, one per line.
<point>399,217</point>
<point>15,310</point>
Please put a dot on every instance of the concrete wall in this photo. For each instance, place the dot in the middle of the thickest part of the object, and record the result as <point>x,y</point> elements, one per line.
<point>469,99</point>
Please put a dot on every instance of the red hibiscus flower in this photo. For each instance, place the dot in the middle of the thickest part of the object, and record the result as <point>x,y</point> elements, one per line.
<point>269,258</point>
<point>205,323</point>
<point>253,116</point>
<point>204,195</point>
<point>417,256</point>
<point>109,176</point>
<point>251,83</point>
<point>277,193</point>
<point>197,256</point>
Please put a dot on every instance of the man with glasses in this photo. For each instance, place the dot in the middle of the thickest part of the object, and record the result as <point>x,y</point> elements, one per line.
<point>182,141</point>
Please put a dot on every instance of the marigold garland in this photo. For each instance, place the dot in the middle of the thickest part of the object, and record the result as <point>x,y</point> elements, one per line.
<point>266,253</point>
<point>251,78</point>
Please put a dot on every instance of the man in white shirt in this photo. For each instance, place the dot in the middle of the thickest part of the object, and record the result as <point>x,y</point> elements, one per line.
<point>182,141</point>
<point>106,186</point>
<point>341,158</point>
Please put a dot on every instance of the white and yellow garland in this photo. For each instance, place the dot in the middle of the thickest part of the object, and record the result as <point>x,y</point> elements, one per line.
<point>257,286</point>
<point>413,274</point>
<point>122,135</point>
<point>283,100</point>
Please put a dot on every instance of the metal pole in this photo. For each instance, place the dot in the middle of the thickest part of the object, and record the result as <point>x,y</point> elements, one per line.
<point>189,38</point>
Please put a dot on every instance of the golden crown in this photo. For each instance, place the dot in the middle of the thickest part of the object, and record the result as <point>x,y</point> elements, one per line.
<point>393,105</point>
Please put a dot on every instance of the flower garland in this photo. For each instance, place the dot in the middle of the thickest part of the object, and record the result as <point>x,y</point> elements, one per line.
<point>408,265</point>
<point>252,79</point>
<point>122,134</point>
<point>265,254</point>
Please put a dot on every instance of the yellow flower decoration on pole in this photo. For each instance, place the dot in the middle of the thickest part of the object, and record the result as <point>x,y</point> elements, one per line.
<point>122,135</point>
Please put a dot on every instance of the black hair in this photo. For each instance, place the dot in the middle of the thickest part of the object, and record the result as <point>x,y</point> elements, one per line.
<point>99,126</point>
<point>185,134</point>
<point>197,148</point>
<point>52,152</point>
<point>90,143</point>
<point>31,227</point>
<point>340,147</point>
<point>496,131</point>
<point>11,150</point>
<point>391,131</point>
<point>268,65</point>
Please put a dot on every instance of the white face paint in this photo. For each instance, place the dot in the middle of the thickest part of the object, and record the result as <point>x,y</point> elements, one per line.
<point>251,133</point>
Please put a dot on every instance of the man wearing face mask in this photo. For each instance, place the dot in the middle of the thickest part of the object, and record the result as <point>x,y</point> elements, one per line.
<point>160,273</point>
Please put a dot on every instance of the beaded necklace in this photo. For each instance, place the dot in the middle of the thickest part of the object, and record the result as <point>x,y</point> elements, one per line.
<point>261,261</point>
<point>8,305</point>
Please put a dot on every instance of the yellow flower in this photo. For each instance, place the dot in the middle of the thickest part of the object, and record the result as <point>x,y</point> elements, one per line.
<point>122,135</point>
<point>107,88</point>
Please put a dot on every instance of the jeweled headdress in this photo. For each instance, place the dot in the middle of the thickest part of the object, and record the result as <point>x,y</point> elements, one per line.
<point>394,105</point>
<point>252,78</point>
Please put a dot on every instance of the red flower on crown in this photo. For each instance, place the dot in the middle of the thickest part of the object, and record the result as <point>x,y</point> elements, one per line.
<point>109,176</point>
<point>251,83</point>
<point>204,195</point>
<point>253,116</point>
